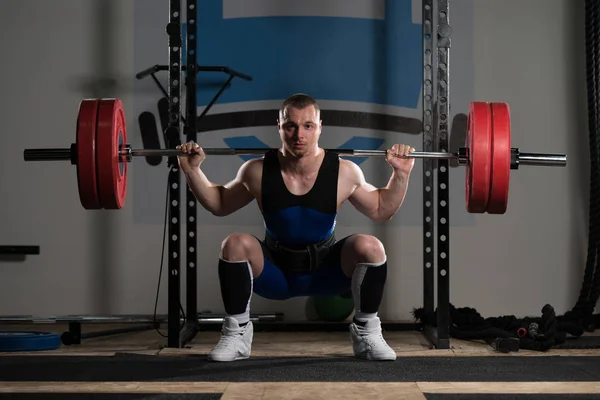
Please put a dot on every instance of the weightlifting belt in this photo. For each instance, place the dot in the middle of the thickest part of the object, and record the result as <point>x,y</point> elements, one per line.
<point>302,259</point>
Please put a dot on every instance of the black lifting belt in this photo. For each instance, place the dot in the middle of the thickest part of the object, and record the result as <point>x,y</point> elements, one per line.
<point>299,259</point>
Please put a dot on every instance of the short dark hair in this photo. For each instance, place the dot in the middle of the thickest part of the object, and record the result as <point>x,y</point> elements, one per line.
<point>300,101</point>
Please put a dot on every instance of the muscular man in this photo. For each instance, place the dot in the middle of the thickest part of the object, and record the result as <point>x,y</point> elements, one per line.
<point>299,189</point>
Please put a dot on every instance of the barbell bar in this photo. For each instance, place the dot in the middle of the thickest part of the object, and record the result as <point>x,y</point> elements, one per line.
<point>530,159</point>
<point>67,154</point>
<point>101,154</point>
<point>64,154</point>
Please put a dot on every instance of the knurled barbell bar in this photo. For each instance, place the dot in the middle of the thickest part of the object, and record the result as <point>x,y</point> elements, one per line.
<point>101,154</point>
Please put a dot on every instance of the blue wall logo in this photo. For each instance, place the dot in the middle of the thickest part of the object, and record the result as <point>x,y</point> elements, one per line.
<point>374,60</point>
<point>366,60</point>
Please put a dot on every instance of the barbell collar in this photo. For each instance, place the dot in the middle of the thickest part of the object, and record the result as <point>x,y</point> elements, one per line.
<point>127,153</point>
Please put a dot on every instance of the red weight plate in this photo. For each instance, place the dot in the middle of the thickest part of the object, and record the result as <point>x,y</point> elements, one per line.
<point>85,147</point>
<point>111,137</point>
<point>478,144</point>
<point>498,201</point>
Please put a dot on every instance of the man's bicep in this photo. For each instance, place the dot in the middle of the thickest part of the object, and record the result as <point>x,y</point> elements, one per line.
<point>365,199</point>
<point>365,196</point>
<point>235,194</point>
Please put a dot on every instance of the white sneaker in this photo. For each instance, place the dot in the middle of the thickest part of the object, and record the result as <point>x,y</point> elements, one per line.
<point>235,342</point>
<point>368,342</point>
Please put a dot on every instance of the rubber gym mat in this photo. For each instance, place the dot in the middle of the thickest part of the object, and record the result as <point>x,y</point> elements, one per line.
<point>217,396</point>
<point>500,396</point>
<point>110,396</point>
<point>582,342</point>
<point>123,368</point>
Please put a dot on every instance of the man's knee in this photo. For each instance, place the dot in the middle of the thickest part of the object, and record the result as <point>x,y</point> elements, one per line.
<point>243,247</point>
<point>366,249</point>
<point>238,247</point>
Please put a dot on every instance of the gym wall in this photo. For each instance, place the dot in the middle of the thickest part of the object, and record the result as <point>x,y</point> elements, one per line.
<point>529,54</point>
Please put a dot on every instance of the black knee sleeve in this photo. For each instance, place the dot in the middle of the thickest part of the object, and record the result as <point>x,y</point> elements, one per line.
<point>368,282</point>
<point>236,285</point>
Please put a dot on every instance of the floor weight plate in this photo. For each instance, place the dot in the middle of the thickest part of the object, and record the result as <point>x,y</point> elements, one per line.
<point>87,182</point>
<point>500,174</point>
<point>111,136</point>
<point>478,144</point>
<point>28,341</point>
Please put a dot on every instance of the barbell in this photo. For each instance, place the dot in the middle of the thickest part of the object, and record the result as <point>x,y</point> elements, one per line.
<point>101,155</point>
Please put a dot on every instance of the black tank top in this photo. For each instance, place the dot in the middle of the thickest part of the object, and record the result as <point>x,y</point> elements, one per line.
<point>299,220</point>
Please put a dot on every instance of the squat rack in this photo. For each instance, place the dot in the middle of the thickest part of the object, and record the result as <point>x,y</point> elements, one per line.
<point>435,139</point>
<point>177,336</point>
<point>436,110</point>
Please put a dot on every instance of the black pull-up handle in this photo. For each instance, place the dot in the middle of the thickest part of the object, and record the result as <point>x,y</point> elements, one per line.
<point>155,68</point>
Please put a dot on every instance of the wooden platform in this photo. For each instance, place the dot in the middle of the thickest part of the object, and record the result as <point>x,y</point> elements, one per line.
<point>283,344</point>
<point>279,344</point>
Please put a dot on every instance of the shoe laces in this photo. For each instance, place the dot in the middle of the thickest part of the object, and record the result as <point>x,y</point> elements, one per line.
<point>372,335</point>
<point>230,336</point>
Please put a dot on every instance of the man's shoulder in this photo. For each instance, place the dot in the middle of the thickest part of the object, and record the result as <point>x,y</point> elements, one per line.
<point>252,168</point>
<point>350,170</point>
<point>253,163</point>
<point>348,166</point>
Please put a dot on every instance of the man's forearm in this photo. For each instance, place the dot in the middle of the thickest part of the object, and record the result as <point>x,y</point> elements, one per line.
<point>207,193</point>
<point>392,195</point>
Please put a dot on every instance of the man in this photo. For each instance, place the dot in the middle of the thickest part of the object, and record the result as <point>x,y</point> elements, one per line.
<point>299,189</point>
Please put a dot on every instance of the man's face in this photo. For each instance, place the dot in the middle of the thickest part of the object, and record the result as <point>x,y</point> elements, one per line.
<point>299,130</point>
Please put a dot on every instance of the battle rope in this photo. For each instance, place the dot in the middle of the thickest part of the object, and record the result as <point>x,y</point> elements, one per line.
<point>541,333</point>
<point>590,290</point>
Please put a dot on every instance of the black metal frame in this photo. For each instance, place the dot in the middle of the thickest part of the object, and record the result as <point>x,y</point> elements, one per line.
<point>191,325</point>
<point>177,334</point>
<point>172,137</point>
<point>435,138</point>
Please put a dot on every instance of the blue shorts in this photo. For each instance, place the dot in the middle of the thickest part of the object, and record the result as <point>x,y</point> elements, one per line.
<point>327,280</point>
